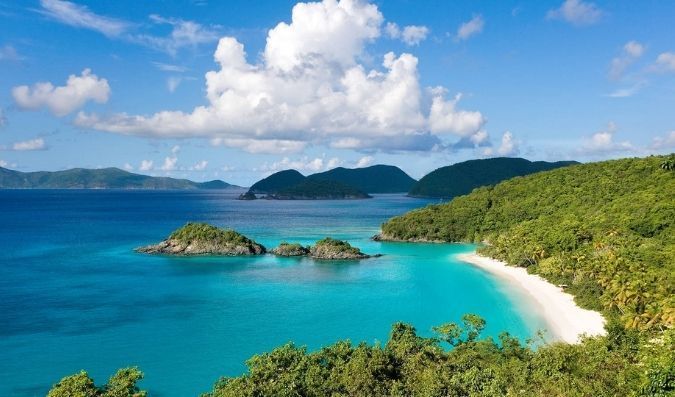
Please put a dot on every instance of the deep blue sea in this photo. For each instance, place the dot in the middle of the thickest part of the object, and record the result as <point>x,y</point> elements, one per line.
<point>74,295</point>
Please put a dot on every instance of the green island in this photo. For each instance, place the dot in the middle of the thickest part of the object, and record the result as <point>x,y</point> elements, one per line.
<point>330,248</point>
<point>290,249</point>
<point>104,178</point>
<point>605,229</point>
<point>311,189</point>
<point>204,239</point>
<point>461,178</point>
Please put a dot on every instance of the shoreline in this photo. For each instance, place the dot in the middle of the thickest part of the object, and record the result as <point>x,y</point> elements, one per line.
<point>565,320</point>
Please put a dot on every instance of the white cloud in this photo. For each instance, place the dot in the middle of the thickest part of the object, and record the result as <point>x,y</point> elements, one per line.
<point>309,89</point>
<point>200,166</point>
<point>665,62</point>
<point>183,34</point>
<point>508,146</point>
<point>364,161</point>
<point>172,83</point>
<point>630,53</point>
<point>302,164</point>
<point>128,167</point>
<point>3,163</point>
<point>175,149</point>
<point>146,165</point>
<point>665,142</point>
<point>31,144</point>
<point>576,12</point>
<point>63,99</point>
<point>170,163</point>
<point>166,67</point>
<point>470,28</point>
<point>9,53</point>
<point>627,91</point>
<point>81,17</point>
<point>411,35</point>
<point>603,142</point>
<point>333,162</point>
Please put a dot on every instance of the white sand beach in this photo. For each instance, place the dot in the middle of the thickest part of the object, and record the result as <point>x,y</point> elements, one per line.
<point>566,321</point>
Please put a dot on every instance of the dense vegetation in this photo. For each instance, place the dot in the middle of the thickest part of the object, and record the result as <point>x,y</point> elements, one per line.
<point>374,179</point>
<point>277,181</point>
<point>104,178</point>
<point>330,248</point>
<point>318,190</point>
<point>338,183</point>
<point>605,229</point>
<point>461,178</point>
<point>410,365</point>
<point>290,249</point>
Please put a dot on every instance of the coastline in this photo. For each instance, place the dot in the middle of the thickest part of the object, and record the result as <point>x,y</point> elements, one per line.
<point>565,320</point>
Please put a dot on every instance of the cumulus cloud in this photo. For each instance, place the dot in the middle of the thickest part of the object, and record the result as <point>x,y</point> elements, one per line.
<point>509,146</point>
<point>63,100</point>
<point>664,142</point>
<point>576,12</point>
<point>631,51</point>
<point>128,167</point>
<point>603,142</point>
<point>29,145</point>
<point>146,165</point>
<point>364,161</point>
<point>665,62</point>
<point>411,35</point>
<point>302,164</point>
<point>200,166</point>
<point>309,88</point>
<point>470,28</point>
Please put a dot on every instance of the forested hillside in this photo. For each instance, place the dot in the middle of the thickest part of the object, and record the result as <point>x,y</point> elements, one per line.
<point>461,178</point>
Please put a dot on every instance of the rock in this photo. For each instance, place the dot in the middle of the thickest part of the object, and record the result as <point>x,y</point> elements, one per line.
<point>247,196</point>
<point>204,239</point>
<point>287,249</point>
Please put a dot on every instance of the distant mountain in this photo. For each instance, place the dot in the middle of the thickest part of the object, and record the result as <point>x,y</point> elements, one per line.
<point>277,181</point>
<point>374,179</point>
<point>104,178</point>
<point>311,189</point>
<point>461,178</point>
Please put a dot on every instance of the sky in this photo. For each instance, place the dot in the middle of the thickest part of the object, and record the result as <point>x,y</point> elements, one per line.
<point>236,90</point>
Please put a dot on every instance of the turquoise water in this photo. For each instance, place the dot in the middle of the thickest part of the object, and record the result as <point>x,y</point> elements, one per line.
<point>74,295</point>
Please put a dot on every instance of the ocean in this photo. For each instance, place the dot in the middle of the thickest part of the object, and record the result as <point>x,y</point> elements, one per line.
<point>74,295</point>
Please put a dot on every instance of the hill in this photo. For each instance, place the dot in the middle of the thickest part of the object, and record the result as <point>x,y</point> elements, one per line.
<point>605,229</point>
<point>310,189</point>
<point>277,181</point>
<point>461,178</point>
<point>104,178</point>
<point>374,179</point>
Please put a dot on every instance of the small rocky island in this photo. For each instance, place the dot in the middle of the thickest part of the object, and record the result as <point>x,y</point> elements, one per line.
<point>330,248</point>
<point>290,249</point>
<point>204,239</point>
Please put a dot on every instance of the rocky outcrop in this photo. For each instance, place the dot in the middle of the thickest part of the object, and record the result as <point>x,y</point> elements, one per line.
<point>204,239</point>
<point>330,248</point>
<point>288,249</point>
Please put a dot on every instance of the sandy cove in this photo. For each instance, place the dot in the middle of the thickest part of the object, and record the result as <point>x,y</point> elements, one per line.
<point>565,320</point>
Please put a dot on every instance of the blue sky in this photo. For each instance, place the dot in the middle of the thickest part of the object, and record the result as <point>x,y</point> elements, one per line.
<point>236,90</point>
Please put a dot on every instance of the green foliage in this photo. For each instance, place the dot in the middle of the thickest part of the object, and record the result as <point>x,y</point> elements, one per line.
<point>277,181</point>
<point>318,189</point>
<point>204,232</point>
<point>122,384</point>
<point>373,179</point>
<point>607,230</point>
<point>410,365</point>
<point>336,246</point>
<point>461,178</point>
<point>104,178</point>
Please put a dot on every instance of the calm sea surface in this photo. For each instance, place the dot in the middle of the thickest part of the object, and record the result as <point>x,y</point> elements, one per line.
<point>74,295</point>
